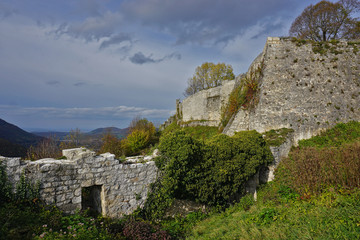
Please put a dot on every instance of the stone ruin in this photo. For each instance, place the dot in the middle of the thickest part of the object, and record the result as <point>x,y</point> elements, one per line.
<point>102,183</point>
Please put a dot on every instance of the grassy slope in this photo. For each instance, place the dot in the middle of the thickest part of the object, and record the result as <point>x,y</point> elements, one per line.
<point>281,213</point>
<point>275,215</point>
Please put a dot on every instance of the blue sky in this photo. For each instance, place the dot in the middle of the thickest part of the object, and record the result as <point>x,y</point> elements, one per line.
<point>96,63</point>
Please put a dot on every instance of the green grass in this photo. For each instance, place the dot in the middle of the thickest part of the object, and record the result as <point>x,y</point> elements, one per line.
<point>334,137</point>
<point>197,132</point>
<point>331,215</point>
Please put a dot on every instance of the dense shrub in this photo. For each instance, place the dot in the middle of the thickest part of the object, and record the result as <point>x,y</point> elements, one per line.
<point>329,160</point>
<point>112,144</point>
<point>228,164</point>
<point>137,140</point>
<point>312,170</point>
<point>142,133</point>
<point>212,172</point>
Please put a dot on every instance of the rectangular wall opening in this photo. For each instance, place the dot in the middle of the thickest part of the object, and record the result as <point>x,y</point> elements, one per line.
<point>91,199</point>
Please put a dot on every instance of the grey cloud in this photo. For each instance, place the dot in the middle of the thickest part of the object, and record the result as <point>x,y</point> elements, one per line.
<point>5,10</point>
<point>52,82</point>
<point>89,7</point>
<point>117,39</point>
<point>92,28</point>
<point>140,58</point>
<point>205,21</point>
<point>79,84</point>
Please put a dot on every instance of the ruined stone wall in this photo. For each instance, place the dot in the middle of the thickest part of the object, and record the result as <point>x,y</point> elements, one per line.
<point>204,107</point>
<point>122,187</point>
<point>304,89</point>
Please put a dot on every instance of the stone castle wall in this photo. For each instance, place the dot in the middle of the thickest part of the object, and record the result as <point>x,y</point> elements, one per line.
<point>118,188</point>
<point>303,86</point>
<point>204,107</point>
<point>303,89</point>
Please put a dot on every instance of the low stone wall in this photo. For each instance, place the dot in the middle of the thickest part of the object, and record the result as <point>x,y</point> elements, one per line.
<point>102,182</point>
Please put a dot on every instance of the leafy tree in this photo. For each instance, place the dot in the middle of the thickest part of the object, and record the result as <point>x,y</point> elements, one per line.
<point>137,140</point>
<point>208,75</point>
<point>326,20</point>
<point>111,144</point>
<point>142,124</point>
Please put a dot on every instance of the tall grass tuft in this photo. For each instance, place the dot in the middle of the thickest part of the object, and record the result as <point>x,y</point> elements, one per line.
<point>311,170</point>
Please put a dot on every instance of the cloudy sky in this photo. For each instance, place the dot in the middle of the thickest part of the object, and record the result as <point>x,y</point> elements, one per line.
<point>85,64</point>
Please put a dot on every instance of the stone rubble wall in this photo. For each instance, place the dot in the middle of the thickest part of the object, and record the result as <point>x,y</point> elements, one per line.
<point>124,186</point>
<point>304,90</point>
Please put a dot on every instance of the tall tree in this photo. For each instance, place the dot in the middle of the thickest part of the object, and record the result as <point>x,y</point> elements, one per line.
<point>326,20</point>
<point>208,75</point>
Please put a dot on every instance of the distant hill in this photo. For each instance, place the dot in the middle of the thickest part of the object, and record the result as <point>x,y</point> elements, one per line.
<point>14,141</point>
<point>50,134</point>
<point>16,135</point>
<point>9,149</point>
<point>118,132</point>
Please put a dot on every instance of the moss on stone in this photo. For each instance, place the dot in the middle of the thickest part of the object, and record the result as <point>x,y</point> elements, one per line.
<point>276,137</point>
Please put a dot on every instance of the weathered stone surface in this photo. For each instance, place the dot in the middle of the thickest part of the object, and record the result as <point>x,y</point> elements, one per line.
<point>303,90</point>
<point>205,106</point>
<point>61,181</point>
<point>299,89</point>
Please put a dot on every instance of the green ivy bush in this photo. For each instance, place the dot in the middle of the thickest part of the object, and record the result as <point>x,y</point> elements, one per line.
<point>213,172</point>
<point>5,187</point>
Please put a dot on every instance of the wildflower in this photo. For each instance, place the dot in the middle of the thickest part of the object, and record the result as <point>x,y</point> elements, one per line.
<point>44,226</point>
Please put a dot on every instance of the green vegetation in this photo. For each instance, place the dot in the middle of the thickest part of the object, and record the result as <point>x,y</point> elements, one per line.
<point>315,195</point>
<point>197,132</point>
<point>213,172</point>
<point>209,75</point>
<point>244,95</point>
<point>279,213</point>
<point>142,134</point>
<point>336,136</point>
<point>277,137</point>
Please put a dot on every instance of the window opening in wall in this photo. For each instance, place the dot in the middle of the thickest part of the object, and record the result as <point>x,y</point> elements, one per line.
<point>91,199</point>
